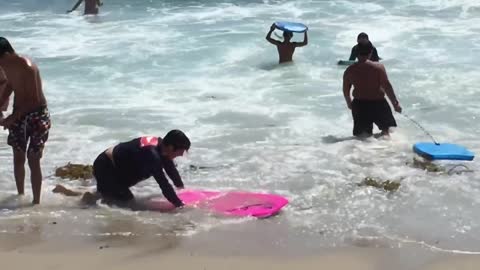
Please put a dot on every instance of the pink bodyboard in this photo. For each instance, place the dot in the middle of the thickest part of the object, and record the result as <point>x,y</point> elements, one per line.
<point>230,203</point>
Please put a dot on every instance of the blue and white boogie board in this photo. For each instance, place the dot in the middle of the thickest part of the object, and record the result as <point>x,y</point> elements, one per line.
<point>291,27</point>
<point>346,62</point>
<point>442,151</point>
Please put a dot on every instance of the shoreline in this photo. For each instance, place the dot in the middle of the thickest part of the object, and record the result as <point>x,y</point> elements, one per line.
<point>20,252</point>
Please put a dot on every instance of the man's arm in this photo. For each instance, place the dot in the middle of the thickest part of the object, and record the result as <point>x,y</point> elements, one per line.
<point>17,113</point>
<point>387,87</point>
<point>4,95</point>
<point>304,42</point>
<point>269,36</point>
<point>165,186</point>
<point>3,88</point>
<point>75,6</point>
<point>172,172</point>
<point>347,85</point>
<point>353,54</point>
<point>167,189</point>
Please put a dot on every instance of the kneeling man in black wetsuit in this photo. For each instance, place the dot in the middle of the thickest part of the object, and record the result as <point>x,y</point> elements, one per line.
<point>120,167</point>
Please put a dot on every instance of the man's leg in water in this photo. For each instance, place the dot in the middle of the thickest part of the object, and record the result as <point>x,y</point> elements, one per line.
<point>118,196</point>
<point>87,197</point>
<point>121,198</point>
<point>385,133</point>
<point>383,117</point>
<point>35,174</point>
<point>91,198</point>
<point>362,122</point>
<point>19,158</point>
<point>65,191</point>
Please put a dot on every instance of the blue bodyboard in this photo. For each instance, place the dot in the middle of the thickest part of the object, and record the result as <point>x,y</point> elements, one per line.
<point>291,27</point>
<point>443,151</point>
<point>346,62</point>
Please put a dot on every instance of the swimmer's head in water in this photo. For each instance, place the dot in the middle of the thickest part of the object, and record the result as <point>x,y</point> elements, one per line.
<point>362,38</point>
<point>287,35</point>
<point>5,47</point>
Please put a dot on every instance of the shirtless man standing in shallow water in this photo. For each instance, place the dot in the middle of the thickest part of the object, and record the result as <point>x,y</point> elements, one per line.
<point>91,6</point>
<point>30,120</point>
<point>369,105</point>
<point>286,48</point>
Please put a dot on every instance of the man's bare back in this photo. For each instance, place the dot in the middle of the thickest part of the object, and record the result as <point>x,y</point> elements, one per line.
<point>91,7</point>
<point>24,81</point>
<point>368,79</point>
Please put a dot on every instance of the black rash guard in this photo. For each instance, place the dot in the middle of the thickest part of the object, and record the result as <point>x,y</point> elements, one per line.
<point>141,158</point>
<point>354,54</point>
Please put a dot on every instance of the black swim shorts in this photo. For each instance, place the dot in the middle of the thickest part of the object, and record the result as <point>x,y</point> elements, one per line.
<point>368,112</point>
<point>108,180</point>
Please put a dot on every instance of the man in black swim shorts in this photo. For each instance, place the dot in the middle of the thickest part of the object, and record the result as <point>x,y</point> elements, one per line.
<point>369,105</point>
<point>362,38</point>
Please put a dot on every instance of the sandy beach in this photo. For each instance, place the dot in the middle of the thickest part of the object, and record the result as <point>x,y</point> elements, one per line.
<point>46,256</point>
<point>29,250</point>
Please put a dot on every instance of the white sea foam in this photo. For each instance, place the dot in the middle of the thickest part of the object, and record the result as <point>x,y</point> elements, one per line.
<point>206,68</point>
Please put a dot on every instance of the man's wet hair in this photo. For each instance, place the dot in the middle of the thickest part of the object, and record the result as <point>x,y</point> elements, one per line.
<point>364,49</point>
<point>362,35</point>
<point>5,47</point>
<point>177,139</point>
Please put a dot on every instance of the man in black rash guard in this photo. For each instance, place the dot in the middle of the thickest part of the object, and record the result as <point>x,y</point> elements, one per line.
<point>363,39</point>
<point>120,167</point>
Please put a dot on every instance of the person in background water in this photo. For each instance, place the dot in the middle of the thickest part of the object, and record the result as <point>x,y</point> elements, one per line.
<point>369,105</point>
<point>30,119</point>
<point>286,48</point>
<point>122,166</point>
<point>363,39</point>
<point>91,6</point>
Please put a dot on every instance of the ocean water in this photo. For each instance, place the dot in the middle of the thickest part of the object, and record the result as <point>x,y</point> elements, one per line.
<point>145,67</point>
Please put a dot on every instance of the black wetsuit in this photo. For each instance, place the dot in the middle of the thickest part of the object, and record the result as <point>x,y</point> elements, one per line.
<point>135,161</point>
<point>373,57</point>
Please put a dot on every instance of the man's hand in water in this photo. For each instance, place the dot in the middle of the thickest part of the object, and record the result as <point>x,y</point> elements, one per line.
<point>184,208</point>
<point>273,27</point>
<point>349,104</point>
<point>397,107</point>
